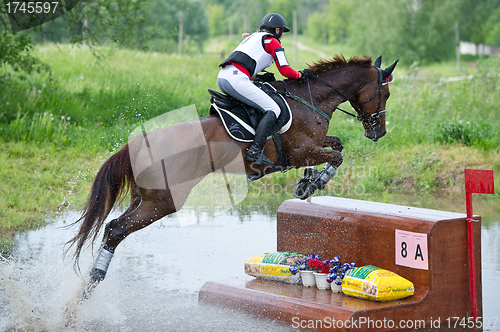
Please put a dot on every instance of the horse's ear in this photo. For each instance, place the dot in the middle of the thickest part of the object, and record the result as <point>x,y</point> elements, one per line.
<point>388,71</point>
<point>378,62</point>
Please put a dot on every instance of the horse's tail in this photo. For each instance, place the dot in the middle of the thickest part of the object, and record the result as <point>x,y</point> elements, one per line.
<point>111,182</point>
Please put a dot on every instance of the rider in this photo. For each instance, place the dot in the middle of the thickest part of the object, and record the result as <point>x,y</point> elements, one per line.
<point>254,54</point>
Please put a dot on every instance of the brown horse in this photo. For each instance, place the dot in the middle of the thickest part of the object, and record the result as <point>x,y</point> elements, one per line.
<point>160,184</point>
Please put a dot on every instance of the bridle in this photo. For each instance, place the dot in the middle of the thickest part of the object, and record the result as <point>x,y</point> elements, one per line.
<point>362,115</point>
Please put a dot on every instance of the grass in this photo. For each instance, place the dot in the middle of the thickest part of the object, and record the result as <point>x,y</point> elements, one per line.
<point>38,180</point>
<point>57,128</point>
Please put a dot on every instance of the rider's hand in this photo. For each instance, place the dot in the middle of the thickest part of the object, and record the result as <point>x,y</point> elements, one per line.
<point>306,73</point>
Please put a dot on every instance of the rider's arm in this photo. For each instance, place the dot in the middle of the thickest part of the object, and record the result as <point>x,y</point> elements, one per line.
<point>273,47</point>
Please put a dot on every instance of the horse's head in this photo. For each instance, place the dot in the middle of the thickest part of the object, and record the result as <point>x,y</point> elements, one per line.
<point>371,99</point>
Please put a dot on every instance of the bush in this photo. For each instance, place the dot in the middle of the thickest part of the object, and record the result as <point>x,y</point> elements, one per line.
<point>468,133</point>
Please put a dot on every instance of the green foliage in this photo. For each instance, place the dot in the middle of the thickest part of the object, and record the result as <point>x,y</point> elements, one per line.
<point>115,20</point>
<point>492,28</point>
<point>476,18</point>
<point>285,8</point>
<point>314,30</point>
<point>216,19</point>
<point>469,133</point>
<point>161,29</point>
<point>339,18</point>
<point>413,31</point>
<point>15,51</point>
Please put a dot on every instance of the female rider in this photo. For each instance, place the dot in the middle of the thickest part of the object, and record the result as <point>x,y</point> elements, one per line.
<point>254,54</point>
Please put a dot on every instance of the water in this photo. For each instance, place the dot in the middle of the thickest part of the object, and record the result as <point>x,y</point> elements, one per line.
<point>154,278</point>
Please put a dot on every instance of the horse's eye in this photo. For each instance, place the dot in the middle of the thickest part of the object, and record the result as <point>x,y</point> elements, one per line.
<point>387,96</point>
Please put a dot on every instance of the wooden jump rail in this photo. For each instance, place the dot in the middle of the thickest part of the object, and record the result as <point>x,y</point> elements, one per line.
<point>367,233</point>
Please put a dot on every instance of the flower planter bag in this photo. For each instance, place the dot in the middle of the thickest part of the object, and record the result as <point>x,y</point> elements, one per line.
<point>372,283</point>
<point>274,266</point>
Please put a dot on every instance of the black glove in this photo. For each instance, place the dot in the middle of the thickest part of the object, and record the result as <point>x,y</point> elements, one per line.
<point>267,77</point>
<point>306,73</point>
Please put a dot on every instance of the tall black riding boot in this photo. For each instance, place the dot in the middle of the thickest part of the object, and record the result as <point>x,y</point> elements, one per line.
<point>255,152</point>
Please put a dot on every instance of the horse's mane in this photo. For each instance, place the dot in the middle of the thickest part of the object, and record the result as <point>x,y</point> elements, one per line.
<point>338,62</point>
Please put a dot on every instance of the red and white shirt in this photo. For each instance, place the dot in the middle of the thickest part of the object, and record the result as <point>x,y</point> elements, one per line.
<point>257,52</point>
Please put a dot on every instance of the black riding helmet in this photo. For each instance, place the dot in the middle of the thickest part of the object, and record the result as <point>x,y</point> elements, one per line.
<point>272,21</point>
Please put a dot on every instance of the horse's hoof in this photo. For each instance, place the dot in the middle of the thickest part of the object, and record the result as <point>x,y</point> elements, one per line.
<point>320,184</point>
<point>255,176</point>
<point>96,276</point>
<point>304,189</point>
<point>89,288</point>
<point>311,173</point>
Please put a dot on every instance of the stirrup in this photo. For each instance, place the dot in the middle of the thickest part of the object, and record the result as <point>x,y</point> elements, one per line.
<point>258,157</point>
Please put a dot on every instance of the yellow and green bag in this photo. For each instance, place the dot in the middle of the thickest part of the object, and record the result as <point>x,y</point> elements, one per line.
<point>274,266</point>
<point>372,283</point>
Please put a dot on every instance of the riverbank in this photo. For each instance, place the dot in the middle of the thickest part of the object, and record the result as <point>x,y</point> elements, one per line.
<point>40,180</point>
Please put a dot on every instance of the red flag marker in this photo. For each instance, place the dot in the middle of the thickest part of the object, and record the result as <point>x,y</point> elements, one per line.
<point>476,182</point>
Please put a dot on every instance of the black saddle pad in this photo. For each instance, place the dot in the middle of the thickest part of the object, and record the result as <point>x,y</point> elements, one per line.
<point>240,120</point>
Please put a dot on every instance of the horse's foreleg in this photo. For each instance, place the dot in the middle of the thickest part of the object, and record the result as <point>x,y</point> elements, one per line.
<point>313,179</point>
<point>333,142</point>
<point>326,174</point>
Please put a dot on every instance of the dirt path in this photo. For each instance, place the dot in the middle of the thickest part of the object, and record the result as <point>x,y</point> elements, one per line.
<point>320,54</point>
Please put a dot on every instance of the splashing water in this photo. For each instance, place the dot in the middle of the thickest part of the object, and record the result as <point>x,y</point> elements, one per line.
<point>152,283</point>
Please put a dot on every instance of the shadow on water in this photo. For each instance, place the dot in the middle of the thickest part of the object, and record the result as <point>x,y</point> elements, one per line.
<point>154,278</point>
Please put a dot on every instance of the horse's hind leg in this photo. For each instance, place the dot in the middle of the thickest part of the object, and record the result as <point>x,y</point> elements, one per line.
<point>147,210</point>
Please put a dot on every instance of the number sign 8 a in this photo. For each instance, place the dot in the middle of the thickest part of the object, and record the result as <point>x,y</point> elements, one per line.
<point>411,250</point>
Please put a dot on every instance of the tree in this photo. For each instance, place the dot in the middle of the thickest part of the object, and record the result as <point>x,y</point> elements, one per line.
<point>493,29</point>
<point>196,22</point>
<point>412,30</point>
<point>473,18</point>
<point>100,20</point>
<point>314,26</point>
<point>15,48</point>
<point>339,13</point>
<point>15,51</point>
<point>216,19</point>
<point>285,8</point>
<point>162,24</point>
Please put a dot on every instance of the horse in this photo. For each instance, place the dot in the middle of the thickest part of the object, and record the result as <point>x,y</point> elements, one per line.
<point>305,143</point>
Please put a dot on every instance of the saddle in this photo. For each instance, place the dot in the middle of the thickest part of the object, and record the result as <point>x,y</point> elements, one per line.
<point>240,120</point>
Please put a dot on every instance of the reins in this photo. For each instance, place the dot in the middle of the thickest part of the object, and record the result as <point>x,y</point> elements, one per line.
<point>364,117</point>
<point>300,100</point>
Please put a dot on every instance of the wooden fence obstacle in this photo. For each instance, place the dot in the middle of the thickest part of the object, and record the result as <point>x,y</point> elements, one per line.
<point>427,247</point>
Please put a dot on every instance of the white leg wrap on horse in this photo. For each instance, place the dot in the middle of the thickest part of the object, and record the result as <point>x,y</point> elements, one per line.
<point>103,259</point>
<point>328,172</point>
